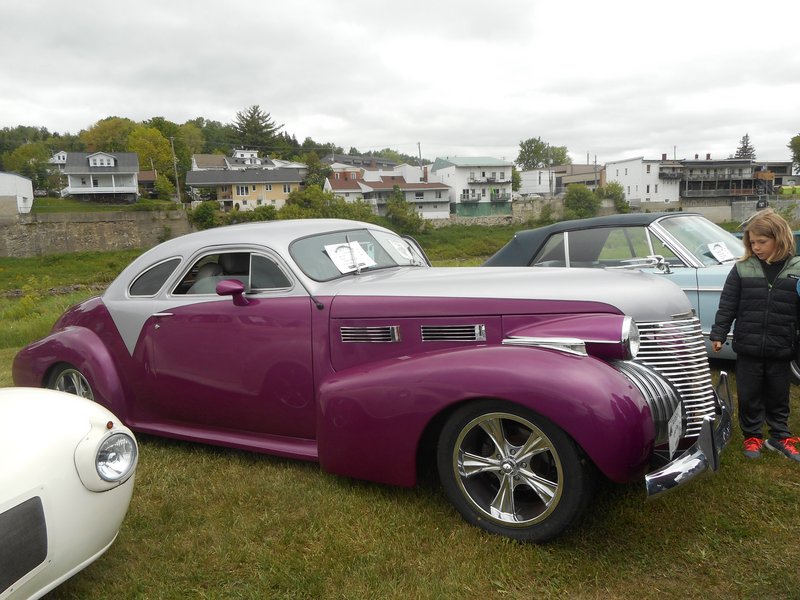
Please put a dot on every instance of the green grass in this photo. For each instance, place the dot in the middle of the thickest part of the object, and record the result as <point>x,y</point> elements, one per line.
<point>71,205</point>
<point>212,523</point>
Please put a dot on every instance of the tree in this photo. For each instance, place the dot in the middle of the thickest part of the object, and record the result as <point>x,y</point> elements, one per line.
<point>516,180</point>
<point>255,129</point>
<point>31,161</point>
<point>313,202</point>
<point>580,202</point>
<point>401,214</point>
<point>745,150</point>
<point>153,149</point>
<point>537,154</point>
<point>614,191</point>
<point>317,171</point>
<point>108,135</point>
<point>794,146</point>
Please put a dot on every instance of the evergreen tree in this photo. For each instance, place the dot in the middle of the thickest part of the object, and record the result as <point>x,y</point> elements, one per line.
<point>256,129</point>
<point>745,150</point>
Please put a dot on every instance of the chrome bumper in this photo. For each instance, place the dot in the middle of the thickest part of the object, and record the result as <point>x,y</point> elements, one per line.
<point>704,454</point>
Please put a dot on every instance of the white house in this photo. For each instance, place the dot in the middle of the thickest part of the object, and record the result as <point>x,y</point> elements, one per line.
<point>479,185</point>
<point>537,182</point>
<point>648,184</point>
<point>431,200</point>
<point>16,194</point>
<point>102,175</point>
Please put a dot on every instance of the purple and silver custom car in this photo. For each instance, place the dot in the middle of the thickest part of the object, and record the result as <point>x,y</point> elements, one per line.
<point>335,341</point>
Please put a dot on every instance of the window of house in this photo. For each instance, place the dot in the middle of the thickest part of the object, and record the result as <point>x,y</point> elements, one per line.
<point>483,192</point>
<point>241,190</point>
<point>287,187</point>
<point>438,194</point>
<point>648,168</point>
<point>472,174</point>
<point>502,175</point>
<point>336,175</point>
<point>626,170</point>
<point>268,187</point>
<point>656,188</point>
<point>647,191</point>
<point>419,195</point>
<point>494,174</point>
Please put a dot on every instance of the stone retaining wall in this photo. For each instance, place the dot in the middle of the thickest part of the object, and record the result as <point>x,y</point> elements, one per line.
<point>41,234</point>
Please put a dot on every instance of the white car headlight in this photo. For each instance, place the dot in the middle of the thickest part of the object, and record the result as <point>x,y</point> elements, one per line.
<point>116,457</point>
<point>106,457</point>
<point>630,337</point>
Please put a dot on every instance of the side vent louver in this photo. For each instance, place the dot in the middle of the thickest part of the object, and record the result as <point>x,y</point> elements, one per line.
<point>454,333</point>
<point>382,334</point>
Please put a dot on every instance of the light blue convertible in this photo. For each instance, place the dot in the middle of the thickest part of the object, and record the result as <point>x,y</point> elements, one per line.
<point>686,248</point>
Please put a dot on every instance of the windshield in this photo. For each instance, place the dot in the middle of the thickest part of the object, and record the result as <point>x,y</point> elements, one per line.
<point>708,242</point>
<point>332,255</point>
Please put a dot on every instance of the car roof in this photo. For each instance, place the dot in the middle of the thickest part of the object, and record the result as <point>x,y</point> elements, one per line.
<point>519,250</point>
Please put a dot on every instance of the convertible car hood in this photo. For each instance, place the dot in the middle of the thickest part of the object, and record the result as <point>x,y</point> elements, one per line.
<point>643,296</point>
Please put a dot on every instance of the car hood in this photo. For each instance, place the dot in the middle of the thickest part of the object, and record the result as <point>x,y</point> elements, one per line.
<point>643,296</point>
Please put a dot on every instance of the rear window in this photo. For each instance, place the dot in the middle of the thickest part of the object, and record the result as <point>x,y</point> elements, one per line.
<point>154,278</point>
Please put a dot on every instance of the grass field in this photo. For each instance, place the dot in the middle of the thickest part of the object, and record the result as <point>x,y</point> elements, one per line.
<point>209,522</point>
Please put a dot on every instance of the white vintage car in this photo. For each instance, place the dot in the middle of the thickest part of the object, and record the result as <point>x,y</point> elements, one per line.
<point>66,478</point>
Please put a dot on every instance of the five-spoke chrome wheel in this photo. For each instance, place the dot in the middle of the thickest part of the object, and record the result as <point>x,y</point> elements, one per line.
<point>68,379</point>
<point>512,472</point>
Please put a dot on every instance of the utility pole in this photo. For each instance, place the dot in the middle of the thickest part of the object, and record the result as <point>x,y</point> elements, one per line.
<point>175,165</point>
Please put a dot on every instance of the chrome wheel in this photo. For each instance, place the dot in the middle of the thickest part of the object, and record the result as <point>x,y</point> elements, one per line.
<point>512,472</point>
<point>72,381</point>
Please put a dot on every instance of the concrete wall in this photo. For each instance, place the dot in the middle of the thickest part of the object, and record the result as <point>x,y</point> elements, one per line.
<point>41,234</point>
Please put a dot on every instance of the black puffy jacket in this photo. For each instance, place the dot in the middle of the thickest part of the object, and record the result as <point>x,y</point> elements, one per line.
<point>766,315</point>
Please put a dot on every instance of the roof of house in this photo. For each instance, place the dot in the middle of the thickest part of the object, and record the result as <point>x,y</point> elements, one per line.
<point>469,161</point>
<point>78,162</point>
<point>234,177</point>
<point>209,161</point>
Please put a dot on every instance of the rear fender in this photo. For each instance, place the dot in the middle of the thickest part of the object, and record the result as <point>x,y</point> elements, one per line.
<point>371,420</point>
<point>81,348</point>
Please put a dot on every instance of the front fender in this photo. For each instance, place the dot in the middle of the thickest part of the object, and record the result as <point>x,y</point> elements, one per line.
<point>371,418</point>
<point>80,347</point>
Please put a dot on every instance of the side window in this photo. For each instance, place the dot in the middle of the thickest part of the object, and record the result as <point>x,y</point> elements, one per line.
<point>265,274</point>
<point>209,270</point>
<point>624,243</point>
<point>149,282</point>
<point>552,254</point>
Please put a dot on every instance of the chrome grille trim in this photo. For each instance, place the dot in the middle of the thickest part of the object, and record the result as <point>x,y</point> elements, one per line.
<point>453,333</point>
<point>660,395</point>
<point>676,351</point>
<point>380,334</point>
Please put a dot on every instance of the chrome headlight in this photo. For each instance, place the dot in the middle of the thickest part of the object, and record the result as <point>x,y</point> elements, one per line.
<point>116,457</point>
<point>630,337</point>
<point>106,457</point>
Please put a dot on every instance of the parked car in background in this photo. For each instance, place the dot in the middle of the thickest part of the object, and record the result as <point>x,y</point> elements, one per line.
<point>335,341</point>
<point>685,248</point>
<point>67,469</point>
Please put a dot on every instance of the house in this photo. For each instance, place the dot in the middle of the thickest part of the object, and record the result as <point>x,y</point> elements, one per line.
<point>244,180</point>
<point>107,176</point>
<point>245,189</point>
<point>479,185</point>
<point>16,194</point>
<point>59,159</point>
<point>370,163</point>
<point>431,200</point>
<point>663,184</point>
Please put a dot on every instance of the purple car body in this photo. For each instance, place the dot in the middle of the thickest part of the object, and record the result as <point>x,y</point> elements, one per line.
<point>335,341</point>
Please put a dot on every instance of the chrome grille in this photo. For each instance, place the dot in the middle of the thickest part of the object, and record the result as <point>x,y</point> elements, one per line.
<point>453,333</point>
<point>382,334</point>
<point>660,395</point>
<point>675,350</point>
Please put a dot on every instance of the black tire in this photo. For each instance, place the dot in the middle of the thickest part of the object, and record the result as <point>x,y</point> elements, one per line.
<point>67,378</point>
<point>525,479</point>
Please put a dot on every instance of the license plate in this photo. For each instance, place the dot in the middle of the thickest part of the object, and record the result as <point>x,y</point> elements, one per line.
<point>675,429</point>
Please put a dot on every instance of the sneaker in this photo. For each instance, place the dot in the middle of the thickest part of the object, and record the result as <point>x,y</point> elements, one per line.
<point>785,447</point>
<point>752,447</point>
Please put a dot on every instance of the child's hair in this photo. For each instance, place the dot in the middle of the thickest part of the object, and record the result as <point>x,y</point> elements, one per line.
<point>768,223</point>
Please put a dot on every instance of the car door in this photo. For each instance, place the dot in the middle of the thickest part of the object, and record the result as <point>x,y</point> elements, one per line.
<point>214,364</point>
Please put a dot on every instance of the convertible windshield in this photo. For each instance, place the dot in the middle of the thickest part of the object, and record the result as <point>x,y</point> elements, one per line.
<point>331,255</point>
<point>707,241</point>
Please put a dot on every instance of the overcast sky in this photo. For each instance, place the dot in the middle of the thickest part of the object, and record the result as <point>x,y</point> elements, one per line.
<point>609,80</point>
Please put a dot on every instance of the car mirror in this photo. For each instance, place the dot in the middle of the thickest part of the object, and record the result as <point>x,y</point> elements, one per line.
<point>234,288</point>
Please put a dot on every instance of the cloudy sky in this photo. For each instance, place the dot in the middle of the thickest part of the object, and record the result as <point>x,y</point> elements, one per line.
<point>608,80</point>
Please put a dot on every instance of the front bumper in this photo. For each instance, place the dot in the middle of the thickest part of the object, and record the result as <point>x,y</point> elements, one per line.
<point>703,456</point>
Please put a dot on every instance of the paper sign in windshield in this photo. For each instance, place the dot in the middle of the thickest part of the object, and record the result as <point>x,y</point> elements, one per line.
<point>721,252</point>
<point>349,257</point>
